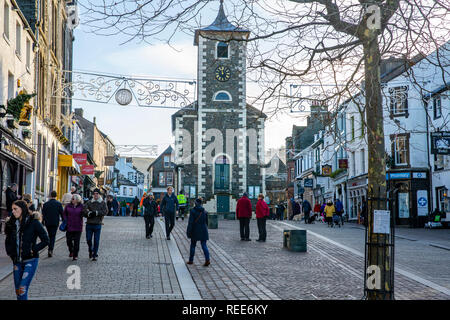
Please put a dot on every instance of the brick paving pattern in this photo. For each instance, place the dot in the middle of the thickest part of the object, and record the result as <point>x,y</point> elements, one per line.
<point>129,267</point>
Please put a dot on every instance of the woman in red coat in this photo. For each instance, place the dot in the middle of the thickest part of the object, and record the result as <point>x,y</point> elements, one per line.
<point>244,214</point>
<point>262,212</point>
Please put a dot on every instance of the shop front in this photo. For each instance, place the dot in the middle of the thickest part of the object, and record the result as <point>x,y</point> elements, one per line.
<point>16,166</point>
<point>409,193</point>
<point>67,167</point>
<point>357,189</point>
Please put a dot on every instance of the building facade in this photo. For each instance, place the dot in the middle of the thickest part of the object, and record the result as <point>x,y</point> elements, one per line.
<point>219,140</point>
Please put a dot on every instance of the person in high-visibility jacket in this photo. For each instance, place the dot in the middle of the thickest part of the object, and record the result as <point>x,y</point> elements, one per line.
<point>182,202</point>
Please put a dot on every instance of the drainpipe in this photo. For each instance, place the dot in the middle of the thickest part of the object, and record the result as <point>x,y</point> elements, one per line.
<point>430,180</point>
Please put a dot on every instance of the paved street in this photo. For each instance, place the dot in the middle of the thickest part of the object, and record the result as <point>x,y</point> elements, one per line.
<point>132,267</point>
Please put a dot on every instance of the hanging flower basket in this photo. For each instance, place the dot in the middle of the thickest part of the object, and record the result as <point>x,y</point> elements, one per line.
<point>20,108</point>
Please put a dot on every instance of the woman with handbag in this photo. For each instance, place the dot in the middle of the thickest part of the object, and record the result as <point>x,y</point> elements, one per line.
<point>22,230</point>
<point>73,225</point>
<point>197,230</point>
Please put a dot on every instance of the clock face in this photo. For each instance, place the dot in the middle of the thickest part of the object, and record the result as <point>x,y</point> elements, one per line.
<point>222,73</point>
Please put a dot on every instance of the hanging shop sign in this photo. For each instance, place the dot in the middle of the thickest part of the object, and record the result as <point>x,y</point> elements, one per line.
<point>440,142</point>
<point>87,169</point>
<point>326,170</point>
<point>100,181</point>
<point>110,161</point>
<point>80,158</point>
<point>343,163</point>
<point>308,183</point>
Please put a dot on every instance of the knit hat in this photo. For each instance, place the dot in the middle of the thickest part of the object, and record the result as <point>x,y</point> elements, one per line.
<point>96,190</point>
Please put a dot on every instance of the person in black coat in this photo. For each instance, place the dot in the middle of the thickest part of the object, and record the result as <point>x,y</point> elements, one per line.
<point>135,206</point>
<point>150,211</point>
<point>169,208</point>
<point>22,230</point>
<point>197,230</point>
<point>11,196</point>
<point>51,213</point>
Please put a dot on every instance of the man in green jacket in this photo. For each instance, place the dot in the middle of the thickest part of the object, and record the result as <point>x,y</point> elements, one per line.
<point>94,210</point>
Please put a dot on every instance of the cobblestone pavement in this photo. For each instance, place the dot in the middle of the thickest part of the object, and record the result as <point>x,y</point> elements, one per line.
<point>326,271</point>
<point>423,252</point>
<point>132,267</point>
<point>129,267</point>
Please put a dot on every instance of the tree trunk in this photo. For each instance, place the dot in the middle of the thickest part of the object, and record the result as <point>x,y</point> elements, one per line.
<point>378,251</point>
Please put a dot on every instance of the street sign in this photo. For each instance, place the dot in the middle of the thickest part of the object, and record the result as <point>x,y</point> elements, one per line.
<point>110,161</point>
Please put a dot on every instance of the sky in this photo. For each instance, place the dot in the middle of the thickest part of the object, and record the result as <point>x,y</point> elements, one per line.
<point>148,126</point>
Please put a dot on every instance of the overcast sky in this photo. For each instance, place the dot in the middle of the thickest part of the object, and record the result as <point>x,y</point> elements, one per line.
<point>137,125</point>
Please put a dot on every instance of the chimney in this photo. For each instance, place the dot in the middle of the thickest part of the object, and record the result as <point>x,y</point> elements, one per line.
<point>79,112</point>
<point>93,120</point>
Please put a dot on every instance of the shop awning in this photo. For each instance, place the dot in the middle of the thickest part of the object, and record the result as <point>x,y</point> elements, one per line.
<point>67,160</point>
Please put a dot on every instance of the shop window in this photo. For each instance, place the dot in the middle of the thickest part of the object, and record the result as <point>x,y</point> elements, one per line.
<point>162,179</point>
<point>169,178</point>
<point>442,199</point>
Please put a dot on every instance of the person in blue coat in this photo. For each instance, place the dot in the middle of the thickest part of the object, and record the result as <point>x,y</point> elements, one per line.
<point>197,230</point>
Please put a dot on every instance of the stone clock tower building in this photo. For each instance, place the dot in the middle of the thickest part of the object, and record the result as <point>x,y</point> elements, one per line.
<point>219,139</point>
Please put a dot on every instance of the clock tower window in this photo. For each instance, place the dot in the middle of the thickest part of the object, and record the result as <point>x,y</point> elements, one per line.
<point>222,50</point>
<point>222,96</point>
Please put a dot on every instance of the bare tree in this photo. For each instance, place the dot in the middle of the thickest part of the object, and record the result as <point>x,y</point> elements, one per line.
<point>334,46</point>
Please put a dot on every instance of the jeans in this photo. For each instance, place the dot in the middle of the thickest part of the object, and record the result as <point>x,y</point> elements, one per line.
<point>73,242</point>
<point>51,230</point>
<point>262,228</point>
<point>181,213</point>
<point>23,274</point>
<point>169,218</point>
<point>204,248</point>
<point>93,230</point>
<point>244,224</point>
<point>149,223</point>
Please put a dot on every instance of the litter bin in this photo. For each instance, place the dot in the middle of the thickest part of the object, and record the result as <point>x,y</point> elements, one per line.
<point>294,240</point>
<point>212,221</point>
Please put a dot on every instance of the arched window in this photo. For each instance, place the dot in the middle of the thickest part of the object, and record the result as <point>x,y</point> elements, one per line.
<point>222,50</point>
<point>222,96</point>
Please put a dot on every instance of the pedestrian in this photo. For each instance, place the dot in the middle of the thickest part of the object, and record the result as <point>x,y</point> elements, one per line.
<point>115,206</point>
<point>364,214</point>
<point>52,213</point>
<point>295,209</point>
<point>322,211</point>
<point>262,212</point>
<point>243,214</point>
<point>73,215</point>
<point>316,210</point>
<point>197,230</point>
<point>27,198</point>
<point>280,211</point>
<point>67,197</point>
<point>340,210</point>
<point>109,205</point>
<point>306,206</point>
<point>11,196</point>
<point>182,202</point>
<point>169,208</point>
<point>329,211</point>
<point>94,210</point>
<point>150,211</point>
<point>22,230</point>
<point>135,206</point>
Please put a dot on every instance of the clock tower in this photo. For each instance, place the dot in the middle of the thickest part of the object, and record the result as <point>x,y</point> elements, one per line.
<point>227,134</point>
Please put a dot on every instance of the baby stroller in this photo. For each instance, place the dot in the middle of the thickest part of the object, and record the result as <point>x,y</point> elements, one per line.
<point>336,220</point>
